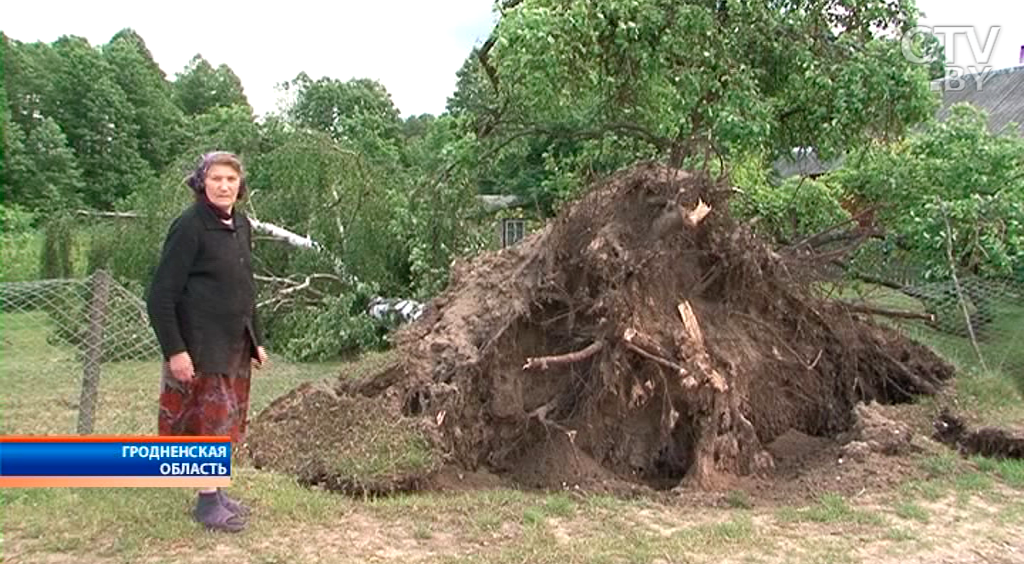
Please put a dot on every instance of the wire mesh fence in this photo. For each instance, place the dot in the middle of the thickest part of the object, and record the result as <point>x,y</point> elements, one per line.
<point>74,355</point>
<point>78,356</point>
<point>976,322</point>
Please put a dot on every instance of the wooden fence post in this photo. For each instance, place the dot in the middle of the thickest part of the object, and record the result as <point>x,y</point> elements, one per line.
<point>93,351</point>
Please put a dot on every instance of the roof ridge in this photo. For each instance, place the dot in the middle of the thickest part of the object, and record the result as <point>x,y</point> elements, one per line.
<point>986,74</point>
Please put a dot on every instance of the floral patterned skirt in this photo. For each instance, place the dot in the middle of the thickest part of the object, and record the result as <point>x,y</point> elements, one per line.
<point>211,404</point>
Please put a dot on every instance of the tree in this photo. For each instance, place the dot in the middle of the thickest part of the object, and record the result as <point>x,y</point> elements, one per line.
<point>474,96</point>
<point>958,169</point>
<point>224,128</point>
<point>159,122</point>
<point>693,81</point>
<point>29,69</point>
<point>415,127</point>
<point>7,140</point>
<point>42,170</point>
<point>98,121</point>
<point>200,88</point>
<point>358,113</point>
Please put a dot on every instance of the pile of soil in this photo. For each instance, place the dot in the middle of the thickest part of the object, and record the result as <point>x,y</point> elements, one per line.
<point>643,338</point>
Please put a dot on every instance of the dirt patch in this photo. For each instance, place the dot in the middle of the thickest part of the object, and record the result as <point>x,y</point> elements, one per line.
<point>643,339</point>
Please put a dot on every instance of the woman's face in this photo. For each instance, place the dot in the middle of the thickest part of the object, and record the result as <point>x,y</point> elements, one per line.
<point>222,183</point>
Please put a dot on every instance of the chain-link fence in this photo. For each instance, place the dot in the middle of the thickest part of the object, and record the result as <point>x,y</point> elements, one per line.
<point>79,356</point>
<point>976,322</point>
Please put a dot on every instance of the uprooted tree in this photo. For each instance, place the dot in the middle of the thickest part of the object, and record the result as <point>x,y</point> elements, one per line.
<point>643,337</point>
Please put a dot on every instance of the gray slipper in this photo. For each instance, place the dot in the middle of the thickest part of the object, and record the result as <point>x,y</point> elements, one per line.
<point>232,505</point>
<point>215,516</point>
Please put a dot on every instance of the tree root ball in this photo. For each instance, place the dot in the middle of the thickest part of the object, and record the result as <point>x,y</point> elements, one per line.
<point>642,338</point>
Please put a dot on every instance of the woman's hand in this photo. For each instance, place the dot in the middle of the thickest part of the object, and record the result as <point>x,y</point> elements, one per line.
<point>261,357</point>
<point>181,367</point>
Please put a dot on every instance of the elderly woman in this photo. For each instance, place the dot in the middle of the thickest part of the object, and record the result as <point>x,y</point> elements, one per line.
<point>202,308</point>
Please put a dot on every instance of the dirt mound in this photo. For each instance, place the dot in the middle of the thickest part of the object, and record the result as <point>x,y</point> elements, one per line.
<point>343,442</point>
<point>873,431</point>
<point>638,339</point>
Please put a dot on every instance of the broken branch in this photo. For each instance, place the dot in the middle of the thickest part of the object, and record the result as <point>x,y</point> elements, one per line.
<point>693,217</point>
<point>647,348</point>
<point>922,385</point>
<point>662,361</point>
<point>292,286</point>
<point>691,325</point>
<point>697,352</point>
<point>541,414</point>
<point>819,238</point>
<point>543,362</point>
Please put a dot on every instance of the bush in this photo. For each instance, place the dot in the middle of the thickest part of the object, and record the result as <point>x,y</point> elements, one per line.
<point>58,246</point>
<point>20,256</point>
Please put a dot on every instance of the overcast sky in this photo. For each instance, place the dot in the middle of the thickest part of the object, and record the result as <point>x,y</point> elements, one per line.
<point>413,47</point>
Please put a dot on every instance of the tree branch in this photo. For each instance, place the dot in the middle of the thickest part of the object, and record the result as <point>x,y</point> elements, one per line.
<point>645,347</point>
<point>483,55</point>
<point>901,314</point>
<point>543,362</point>
<point>956,284</point>
<point>116,215</point>
<point>292,287</point>
<point>819,239</point>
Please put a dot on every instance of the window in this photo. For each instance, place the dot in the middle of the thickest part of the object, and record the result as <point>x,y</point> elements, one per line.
<point>512,231</point>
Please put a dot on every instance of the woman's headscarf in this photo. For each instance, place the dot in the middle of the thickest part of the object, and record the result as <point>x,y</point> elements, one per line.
<point>197,179</point>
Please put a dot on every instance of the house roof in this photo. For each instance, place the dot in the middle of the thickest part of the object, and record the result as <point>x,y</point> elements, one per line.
<point>495,202</point>
<point>804,161</point>
<point>1001,95</point>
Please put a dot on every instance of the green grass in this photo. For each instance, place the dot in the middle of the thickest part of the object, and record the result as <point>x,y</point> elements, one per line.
<point>559,505</point>
<point>930,490</point>
<point>1012,514</point>
<point>738,499</point>
<point>615,541</point>
<point>382,450</point>
<point>941,465</point>
<point>973,482</point>
<point>900,535</point>
<point>533,516</point>
<point>831,508</point>
<point>1009,471</point>
<point>912,511</point>
<point>949,473</point>
<point>79,520</point>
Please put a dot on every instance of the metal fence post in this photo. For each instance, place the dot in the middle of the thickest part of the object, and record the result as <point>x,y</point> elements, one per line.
<point>93,356</point>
